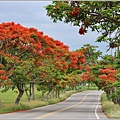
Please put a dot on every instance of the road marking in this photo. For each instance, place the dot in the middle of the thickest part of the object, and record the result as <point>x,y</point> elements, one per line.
<point>97,108</point>
<point>52,113</point>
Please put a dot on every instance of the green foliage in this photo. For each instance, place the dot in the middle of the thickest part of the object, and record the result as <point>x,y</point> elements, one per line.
<point>91,53</point>
<point>101,16</point>
<point>116,94</point>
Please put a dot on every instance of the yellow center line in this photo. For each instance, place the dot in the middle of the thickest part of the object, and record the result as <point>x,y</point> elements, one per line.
<point>52,113</point>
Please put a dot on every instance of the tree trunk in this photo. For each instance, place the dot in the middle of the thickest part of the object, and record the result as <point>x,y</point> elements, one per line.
<point>48,94</point>
<point>64,90</point>
<point>58,93</point>
<point>115,100</point>
<point>107,93</point>
<point>33,91</point>
<point>69,88</point>
<point>21,92</point>
<point>0,104</point>
<point>53,94</point>
<point>118,101</point>
<point>43,93</point>
<point>88,85</point>
<point>28,95</point>
<point>73,87</point>
<point>79,85</point>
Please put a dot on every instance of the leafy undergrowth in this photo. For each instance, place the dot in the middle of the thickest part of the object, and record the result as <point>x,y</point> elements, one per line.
<point>110,109</point>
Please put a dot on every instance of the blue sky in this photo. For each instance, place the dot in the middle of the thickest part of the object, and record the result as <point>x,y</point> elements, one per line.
<point>33,14</point>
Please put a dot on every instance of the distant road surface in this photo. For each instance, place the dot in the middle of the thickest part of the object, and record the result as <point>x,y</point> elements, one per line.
<point>84,105</point>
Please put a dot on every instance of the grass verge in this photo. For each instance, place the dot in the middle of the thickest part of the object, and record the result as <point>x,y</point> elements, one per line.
<point>9,97</point>
<point>110,109</point>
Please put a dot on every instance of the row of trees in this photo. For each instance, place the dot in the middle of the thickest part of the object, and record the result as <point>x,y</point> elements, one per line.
<point>28,59</point>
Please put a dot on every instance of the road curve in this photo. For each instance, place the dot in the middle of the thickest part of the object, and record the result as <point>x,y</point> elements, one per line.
<point>83,105</point>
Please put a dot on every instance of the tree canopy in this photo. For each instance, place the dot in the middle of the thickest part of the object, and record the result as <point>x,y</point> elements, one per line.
<point>100,16</point>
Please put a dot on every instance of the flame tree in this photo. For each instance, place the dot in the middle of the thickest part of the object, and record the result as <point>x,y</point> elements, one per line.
<point>25,53</point>
<point>100,16</point>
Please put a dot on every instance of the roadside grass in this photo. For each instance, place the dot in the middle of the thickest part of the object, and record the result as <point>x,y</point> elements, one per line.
<point>8,99</point>
<point>110,109</point>
<point>8,105</point>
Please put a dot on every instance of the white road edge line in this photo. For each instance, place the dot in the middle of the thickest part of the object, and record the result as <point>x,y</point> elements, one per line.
<point>97,108</point>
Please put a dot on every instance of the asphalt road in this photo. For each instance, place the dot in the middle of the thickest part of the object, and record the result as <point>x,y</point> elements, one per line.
<point>85,105</point>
